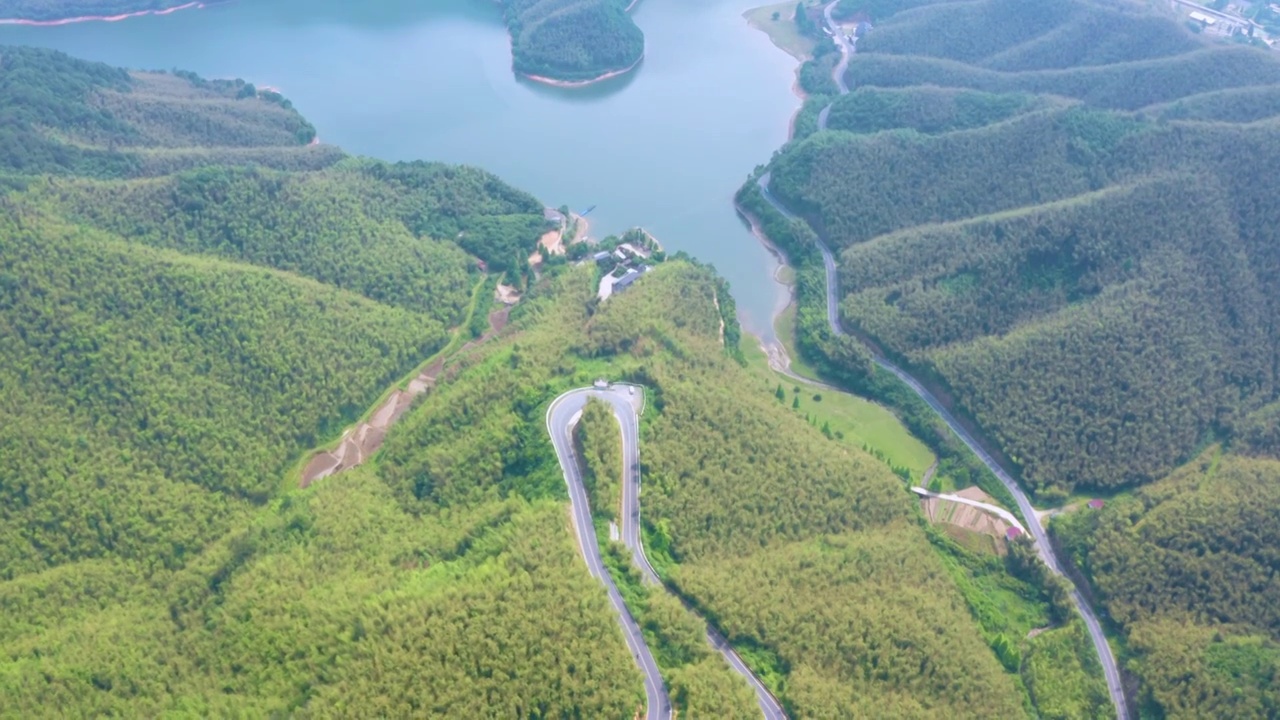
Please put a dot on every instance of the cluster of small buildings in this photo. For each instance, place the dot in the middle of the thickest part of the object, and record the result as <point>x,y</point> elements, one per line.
<point>628,259</point>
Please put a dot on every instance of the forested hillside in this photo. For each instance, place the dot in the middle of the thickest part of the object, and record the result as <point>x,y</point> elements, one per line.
<point>1187,567</point>
<point>203,327</point>
<point>188,303</point>
<point>63,115</point>
<point>1095,287</point>
<point>175,340</point>
<point>926,110</point>
<point>1058,213</point>
<point>572,40</point>
<point>831,527</point>
<point>344,596</point>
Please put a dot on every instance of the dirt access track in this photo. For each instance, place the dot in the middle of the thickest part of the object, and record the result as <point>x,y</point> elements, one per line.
<point>359,443</point>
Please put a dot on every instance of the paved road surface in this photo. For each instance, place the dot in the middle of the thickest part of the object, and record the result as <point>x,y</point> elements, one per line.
<point>846,50</point>
<point>561,417</point>
<point>1004,514</point>
<point>1105,656</point>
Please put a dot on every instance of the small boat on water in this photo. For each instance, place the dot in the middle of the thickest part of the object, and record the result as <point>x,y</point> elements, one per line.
<point>588,210</point>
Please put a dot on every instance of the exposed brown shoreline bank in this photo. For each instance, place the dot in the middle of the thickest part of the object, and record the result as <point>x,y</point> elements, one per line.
<point>100,18</point>
<point>583,83</point>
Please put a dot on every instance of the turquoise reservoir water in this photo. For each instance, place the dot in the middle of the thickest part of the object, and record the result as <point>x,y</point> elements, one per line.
<point>664,147</point>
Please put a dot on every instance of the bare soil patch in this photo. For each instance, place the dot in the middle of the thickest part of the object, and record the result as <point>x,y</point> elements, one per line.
<point>553,242</point>
<point>506,295</point>
<point>361,442</point>
<point>498,320</point>
<point>967,517</point>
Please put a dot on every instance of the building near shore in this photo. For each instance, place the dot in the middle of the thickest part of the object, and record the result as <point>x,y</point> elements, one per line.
<point>610,284</point>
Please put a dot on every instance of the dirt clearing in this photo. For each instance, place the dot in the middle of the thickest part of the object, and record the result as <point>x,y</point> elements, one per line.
<point>359,443</point>
<point>967,517</point>
<point>553,242</point>
<point>506,295</point>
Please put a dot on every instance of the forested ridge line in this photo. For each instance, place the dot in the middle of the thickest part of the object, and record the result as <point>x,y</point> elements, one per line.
<point>933,293</point>
<point>62,115</point>
<point>683,365</point>
<point>1090,280</point>
<point>870,371</point>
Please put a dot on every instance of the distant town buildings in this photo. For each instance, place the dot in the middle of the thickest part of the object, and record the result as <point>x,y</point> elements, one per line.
<point>1202,18</point>
<point>1228,22</point>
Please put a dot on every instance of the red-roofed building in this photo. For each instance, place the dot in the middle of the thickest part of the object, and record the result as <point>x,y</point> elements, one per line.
<point>1096,504</point>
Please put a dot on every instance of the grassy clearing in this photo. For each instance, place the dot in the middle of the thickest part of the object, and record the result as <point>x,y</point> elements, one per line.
<point>1056,666</point>
<point>785,328</point>
<point>1063,675</point>
<point>974,542</point>
<point>854,421</point>
<point>863,422</point>
<point>778,22</point>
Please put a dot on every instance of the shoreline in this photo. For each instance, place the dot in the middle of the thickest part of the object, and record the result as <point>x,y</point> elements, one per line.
<point>196,5</point>
<point>580,228</point>
<point>758,231</point>
<point>754,223</point>
<point>804,98</point>
<point>582,83</point>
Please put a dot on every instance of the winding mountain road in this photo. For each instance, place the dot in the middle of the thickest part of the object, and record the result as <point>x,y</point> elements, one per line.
<point>1105,657</point>
<point>561,417</point>
<point>846,50</point>
<point>627,401</point>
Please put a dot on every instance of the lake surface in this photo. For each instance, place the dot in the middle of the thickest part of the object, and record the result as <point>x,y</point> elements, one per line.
<point>664,147</point>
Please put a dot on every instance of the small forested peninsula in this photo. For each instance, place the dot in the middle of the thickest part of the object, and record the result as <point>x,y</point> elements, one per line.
<point>1058,214</point>
<point>572,41</point>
